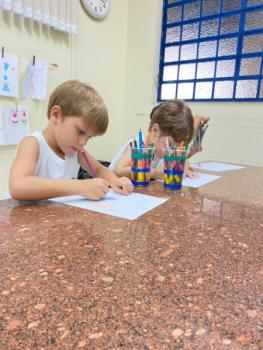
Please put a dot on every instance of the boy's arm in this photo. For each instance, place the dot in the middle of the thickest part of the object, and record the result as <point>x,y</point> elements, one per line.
<point>24,185</point>
<point>189,172</point>
<point>198,120</point>
<point>123,166</point>
<point>157,174</point>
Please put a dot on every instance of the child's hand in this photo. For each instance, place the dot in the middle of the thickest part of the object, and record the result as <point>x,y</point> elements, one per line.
<point>200,119</point>
<point>122,185</point>
<point>193,150</point>
<point>157,173</point>
<point>189,172</point>
<point>94,189</point>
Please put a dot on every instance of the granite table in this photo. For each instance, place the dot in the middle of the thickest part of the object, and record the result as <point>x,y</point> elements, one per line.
<point>186,275</point>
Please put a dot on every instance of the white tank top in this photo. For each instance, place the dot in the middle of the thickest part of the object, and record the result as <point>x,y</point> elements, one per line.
<point>50,165</point>
<point>156,162</point>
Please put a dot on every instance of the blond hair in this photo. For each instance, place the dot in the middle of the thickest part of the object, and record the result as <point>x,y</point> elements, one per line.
<point>175,119</point>
<point>77,99</point>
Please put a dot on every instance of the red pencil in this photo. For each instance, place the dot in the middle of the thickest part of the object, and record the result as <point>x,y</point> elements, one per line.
<point>87,163</point>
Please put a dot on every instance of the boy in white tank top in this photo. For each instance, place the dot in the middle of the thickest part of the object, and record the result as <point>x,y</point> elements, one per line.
<point>47,162</point>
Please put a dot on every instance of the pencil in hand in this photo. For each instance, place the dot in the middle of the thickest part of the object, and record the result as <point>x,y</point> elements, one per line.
<point>88,165</point>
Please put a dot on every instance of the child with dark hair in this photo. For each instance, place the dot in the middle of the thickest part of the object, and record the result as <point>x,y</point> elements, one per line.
<point>170,121</point>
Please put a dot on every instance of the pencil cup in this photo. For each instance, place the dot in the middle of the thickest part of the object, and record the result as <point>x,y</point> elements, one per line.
<point>174,161</point>
<point>141,159</point>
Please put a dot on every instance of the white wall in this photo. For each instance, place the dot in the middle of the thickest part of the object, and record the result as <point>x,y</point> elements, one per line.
<point>119,56</point>
<point>101,57</point>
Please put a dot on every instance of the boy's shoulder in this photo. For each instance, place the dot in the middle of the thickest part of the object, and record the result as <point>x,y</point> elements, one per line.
<point>35,136</point>
<point>30,140</point>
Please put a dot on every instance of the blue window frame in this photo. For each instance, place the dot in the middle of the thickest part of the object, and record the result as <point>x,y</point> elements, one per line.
<point>211,50</point>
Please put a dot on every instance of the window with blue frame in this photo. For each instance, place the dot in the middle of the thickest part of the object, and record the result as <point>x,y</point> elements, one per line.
<point>211,50</point>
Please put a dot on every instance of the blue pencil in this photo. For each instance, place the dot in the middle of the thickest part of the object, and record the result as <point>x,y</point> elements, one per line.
<point>140,139</point>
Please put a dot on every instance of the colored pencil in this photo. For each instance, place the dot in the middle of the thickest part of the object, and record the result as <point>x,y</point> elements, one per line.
<point>88,165</point>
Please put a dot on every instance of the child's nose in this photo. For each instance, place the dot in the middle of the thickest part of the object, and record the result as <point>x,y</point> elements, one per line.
<point>82,141</point>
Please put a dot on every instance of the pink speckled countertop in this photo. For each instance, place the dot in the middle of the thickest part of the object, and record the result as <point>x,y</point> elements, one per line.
<point>186,275</point>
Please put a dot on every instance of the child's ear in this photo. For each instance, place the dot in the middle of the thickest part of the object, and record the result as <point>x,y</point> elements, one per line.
<point>155,130</point>
<point>55,114</point>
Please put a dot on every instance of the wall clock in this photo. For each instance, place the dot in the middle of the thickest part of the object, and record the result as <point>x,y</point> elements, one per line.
<point>97,9</point>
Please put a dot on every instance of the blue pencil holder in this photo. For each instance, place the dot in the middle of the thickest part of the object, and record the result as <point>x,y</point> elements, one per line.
<point>174,161</point>
<point>141,159</point>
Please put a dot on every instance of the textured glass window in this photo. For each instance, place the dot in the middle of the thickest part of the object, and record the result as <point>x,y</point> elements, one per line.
<point>173,34</point>
<point>230,5</point>
<point>252,43</point>
<point>170,72</point>
<point>207,49</point>
<point>225,68</point>
<point>211,7</point>
<point>211,50</point>
<point>254,20</point>
<point>168,91</point>
<point>191,10</point>
<point>209,28</point>
<point>185,91</point>
<point>227,47</point>
<point>174,14</point>
<point>246,89</point>
<point>230,24</point>
<point>203,90</point>
<point>188,52</point>
<point>224,89</point>
<point>172,1</point>
<point>190,31</point>
<point>250,66</point>
<point>251,3</point>
<point>187,71</point>
<point>171,54</point>
<point>205,70</point>
<point>261,89</point>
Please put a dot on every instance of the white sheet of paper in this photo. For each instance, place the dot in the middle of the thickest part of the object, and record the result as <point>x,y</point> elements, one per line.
<point>14,123</point>
<point>1,131</point>
<point>35,84</point>
<point>8,75</point>
<point>215,166</point>
<point>200,181</point>
<point>127,207</point>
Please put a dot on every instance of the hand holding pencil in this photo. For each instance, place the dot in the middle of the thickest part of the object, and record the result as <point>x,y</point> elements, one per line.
<point>120,185</point>
<point>94,189</point>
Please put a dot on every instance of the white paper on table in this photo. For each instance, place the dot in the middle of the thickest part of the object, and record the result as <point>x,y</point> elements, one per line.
<point>215,166</point>
<point>35,84</point>
<point>194,183</point>
<point>200,181</point>
<point>127,207</point>
<point>8,75</point>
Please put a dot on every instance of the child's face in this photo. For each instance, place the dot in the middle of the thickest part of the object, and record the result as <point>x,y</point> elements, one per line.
<point>160,144</point>
<point>72,134</point>
<point>160,140</point>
